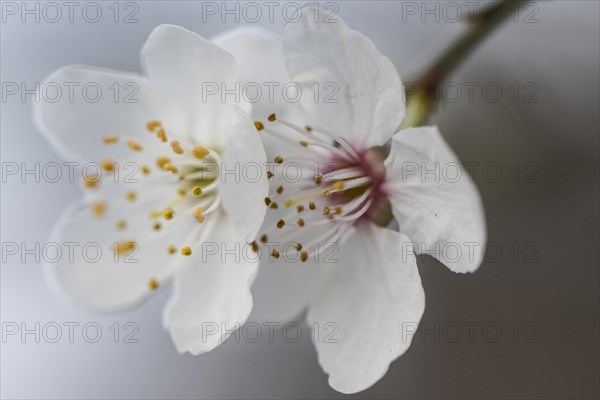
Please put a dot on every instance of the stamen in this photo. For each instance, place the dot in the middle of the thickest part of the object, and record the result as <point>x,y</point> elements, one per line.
<point>272,117</point>
<point>259,125</point>
<point>303,143</point>
<point>298,246</point>
<point>121,224</point>
<point>200,152</point>
<point>198,214</point>
<point>300,222</point>
<point>131,195</point>
<point>186,251</point>
<point>145,169</point>
<point>176,146</point>
<point>168,214</point>
<point>279,190</point>
<point>280,223</point>
<point>268,201</point>
<point>153,283</point>
<point>312,205</point>
<point>108,165</point>
<point>99,208</point>
<point>264,238</point>
<point>275,254</point>
<point>171,249</point>
<point>91,182</point>
<point>318,178</point>
<point>269,174</point>
<point>278,160</point>
<point>152,125</point>
<point>162,161</point>
<point>156,226</point>
<point>170,167</point>
<point>303,256</point>
<point>300,209</point>
<point>254,246</point>
<point>197,191</point>
<point>181,191</point>
<point>326,210</point>
<point>160,133</point>
<point>135,146</point>
<point>125,247</point>
<point>110,139</point>
<point>274,205</point>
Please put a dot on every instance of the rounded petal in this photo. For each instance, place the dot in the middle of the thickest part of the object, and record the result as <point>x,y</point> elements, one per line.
<point>434,200</point>
<point>212,296</point>
<point>199,74</point>
<point>259,55</point>
<point>76,125</point>
<point>94,274</point>
<point>361,95</point>
<point>368,308</point>
<point>244,183</point>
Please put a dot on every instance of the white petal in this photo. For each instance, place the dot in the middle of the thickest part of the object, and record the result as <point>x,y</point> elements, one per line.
<point>370,100</point>
<point>284,287</point>
<point>259,55</point>
<point>367,309</point>
<point>244,183</point>
<point>76,126</point>
<point>441,212</point>
<point>213,293</point>
<point>92,276</point>
<point>192,69</point>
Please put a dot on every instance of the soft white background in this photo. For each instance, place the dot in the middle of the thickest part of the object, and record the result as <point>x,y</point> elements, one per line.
<point>560,54</point>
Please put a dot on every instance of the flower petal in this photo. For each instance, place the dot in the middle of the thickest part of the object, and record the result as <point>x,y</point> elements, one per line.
<point>440,211</point>
<point>368,308</point>
<point>213,295</point>
<point>77,125</point>
<point>259,55</point>
<point>198,73</point>
<point>367,98</point>
<point>93,275</point>
<point>244,183</point>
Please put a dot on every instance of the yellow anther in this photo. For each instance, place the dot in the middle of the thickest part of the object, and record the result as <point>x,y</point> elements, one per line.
<point>272,117</point>
<point>300,222</point>
<point>338,185</point>
<point>303,143</point>
<point>145,169</point>
<point>168,214</point>
<point>197,191</point>
<point>186,251</point>
<point>110,139</point>
<point>153,283</point>
<point>171,249</point>
<point>160,133</point>
<point>280,190</point>
<point>312,205</point>
<point>269,174</point>
<point>326,210</point>
<point>275,254</point>
<point>121,224</point>
<point>200,152</point>
<point>338,210</point>
<point>152,125</point>
<point>327,193</point>
<point>181,191</point>
<point>125,247</point>
<point>318,178</point>
<point>162,161</point>
<point>176,146</point>
<point>278,160</point>
<point>308,128</point>
<point>274,205</point>
<point>170,167</point>
<point>280,223</point>
<point>298,246</point>
<point>156,226</point>
<point>300,208</point>
<point>303,256</point>
<point>264,238</point>
<point>91,182</point>
<point>135,146</point>
<point>268,201</point>
<point>254,246</point>
<point>259,125</point>
<point>131,195</point>
<point>98,208</point>
<point>198,214</point>
<point>288,203</point>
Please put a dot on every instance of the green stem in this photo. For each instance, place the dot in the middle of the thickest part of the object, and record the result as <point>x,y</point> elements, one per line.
<point>421,102</point>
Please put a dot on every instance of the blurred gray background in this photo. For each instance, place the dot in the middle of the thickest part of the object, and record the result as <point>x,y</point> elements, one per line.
<point>542,292</point>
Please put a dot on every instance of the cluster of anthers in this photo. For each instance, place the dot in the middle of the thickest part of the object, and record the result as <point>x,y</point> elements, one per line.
<point>192,174</point>
<point>340,185</point>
